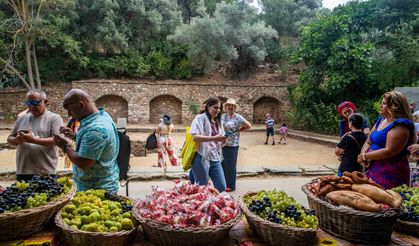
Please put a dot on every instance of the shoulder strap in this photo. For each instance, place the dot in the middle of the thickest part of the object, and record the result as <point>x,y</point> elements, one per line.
<point>356,141</point>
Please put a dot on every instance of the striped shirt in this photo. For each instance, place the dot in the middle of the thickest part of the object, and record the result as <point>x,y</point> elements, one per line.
<point>269,123</point>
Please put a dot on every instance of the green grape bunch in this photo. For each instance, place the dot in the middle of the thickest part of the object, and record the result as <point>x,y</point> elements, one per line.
<point>410,197</point>
<point>277,207</point>
<point>36,192</point>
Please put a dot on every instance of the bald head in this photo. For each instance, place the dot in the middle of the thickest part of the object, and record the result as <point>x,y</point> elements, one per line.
<point>77,95</point>
<point>79,104</point>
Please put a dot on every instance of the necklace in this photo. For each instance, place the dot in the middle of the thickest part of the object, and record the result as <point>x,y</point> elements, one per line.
<point>383,124</point>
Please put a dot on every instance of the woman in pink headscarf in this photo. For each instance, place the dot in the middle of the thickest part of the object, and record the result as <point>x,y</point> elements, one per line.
<point>345,109</point>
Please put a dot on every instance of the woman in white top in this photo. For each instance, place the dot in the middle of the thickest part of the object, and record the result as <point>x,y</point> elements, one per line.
<point>207,131</point>
<point>164,142</point>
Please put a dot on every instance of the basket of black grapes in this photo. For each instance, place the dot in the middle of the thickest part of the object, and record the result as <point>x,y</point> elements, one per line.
<point>408,222</point>
<point>27,207</point>
<point>278,219</point>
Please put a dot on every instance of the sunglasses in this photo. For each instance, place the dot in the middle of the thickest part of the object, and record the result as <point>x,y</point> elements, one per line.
<point>33,102</point>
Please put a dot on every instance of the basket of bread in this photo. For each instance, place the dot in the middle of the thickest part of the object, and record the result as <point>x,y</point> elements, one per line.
<point>353,207</point>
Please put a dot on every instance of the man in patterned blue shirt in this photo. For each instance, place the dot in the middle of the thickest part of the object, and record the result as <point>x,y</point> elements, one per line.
<point>97,144</point>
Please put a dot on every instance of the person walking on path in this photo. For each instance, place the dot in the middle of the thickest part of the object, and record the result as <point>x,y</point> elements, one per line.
<point>350,145</point>
<point>270,128</point>
<point>207,131</point>
<point>164,143</point>
<point>233,123</point>
<point>283,131</point>
<point>345,109</point>
<point>97,144</point>
<point>387,145</point>
<point>33,135</point>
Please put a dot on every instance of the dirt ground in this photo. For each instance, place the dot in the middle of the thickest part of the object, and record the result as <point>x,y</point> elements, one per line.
<point>252,153</point>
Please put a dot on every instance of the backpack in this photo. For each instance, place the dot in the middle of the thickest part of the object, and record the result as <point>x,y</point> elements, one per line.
<point>151,142</point>
<point>123,155</point>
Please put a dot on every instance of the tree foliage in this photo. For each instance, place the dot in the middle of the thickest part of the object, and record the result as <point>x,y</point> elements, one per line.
<point>358,52</point>
<point>233,34</point>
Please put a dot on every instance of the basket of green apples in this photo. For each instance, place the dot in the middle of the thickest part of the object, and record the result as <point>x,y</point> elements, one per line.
<point>97,217</point>
<point>278,219</point>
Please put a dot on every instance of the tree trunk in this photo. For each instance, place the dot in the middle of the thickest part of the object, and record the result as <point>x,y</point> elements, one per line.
<point>29,63</point>
<point>35,66</point>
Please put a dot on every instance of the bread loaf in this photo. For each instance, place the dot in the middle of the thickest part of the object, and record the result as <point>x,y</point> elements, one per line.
<point>376,194</point>
<point>354,199</point>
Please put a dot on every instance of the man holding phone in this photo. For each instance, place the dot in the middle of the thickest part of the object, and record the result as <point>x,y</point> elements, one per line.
<point>33,135</point>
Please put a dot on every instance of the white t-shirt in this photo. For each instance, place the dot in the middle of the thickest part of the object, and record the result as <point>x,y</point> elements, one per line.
<point>208,150</point>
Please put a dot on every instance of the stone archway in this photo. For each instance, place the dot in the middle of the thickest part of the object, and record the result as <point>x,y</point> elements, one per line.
<point>165,104</point>
<point>263,106</point>
<point>116,106</point>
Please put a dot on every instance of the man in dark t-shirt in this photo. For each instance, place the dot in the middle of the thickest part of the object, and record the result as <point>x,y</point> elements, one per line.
<point>350,145</point>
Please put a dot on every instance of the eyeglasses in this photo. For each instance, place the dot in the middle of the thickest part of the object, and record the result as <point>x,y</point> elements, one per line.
<point>216,107</point>
<point>33,102</point>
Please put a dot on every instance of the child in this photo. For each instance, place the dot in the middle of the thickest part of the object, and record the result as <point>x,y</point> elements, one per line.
<point>350,145</point>
<point>270,126</point>
<point>283,130</point>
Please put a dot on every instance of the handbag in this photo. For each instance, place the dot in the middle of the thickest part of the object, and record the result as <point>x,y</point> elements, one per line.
<point>151,142</point>
<point>188,150</point>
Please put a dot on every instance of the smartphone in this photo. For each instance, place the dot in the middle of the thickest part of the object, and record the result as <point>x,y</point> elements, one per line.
<point>24,131</point>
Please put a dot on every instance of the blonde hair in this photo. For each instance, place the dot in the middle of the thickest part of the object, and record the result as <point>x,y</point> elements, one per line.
<point>397,105</point>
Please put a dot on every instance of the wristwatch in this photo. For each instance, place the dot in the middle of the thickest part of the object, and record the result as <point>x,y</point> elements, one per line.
<point>65,148</point>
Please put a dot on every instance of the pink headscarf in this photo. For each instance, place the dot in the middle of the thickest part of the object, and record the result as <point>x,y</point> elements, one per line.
<point>346,104</point>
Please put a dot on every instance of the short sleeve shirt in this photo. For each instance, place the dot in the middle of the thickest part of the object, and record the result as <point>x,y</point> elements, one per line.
<point>200,127</point>
<point>232,124</point>
<point>269,123</point>
<point>349,159</point>
<point>97,139</point>
<point>43,126</point>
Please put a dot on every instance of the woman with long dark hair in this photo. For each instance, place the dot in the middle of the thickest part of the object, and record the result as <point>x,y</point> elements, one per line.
<point>387,145</point>
<point>207,131</point>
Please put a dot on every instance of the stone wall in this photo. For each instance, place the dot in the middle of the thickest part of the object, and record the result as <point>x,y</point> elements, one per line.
<point>12,101</point>
<point>147,100</point>
<point>144,101</point>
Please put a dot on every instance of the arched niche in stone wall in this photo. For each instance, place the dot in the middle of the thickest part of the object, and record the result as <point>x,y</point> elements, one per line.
<point>115,105</point>
<point>165,104</point>
<point>266,105</point>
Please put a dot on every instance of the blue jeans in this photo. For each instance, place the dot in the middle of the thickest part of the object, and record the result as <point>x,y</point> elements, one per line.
<point>229,165</point>
<point>201,173</point>
<point>191,177</point>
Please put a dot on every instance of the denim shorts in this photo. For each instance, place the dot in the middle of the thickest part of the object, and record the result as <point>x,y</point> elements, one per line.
<point>270,131</point>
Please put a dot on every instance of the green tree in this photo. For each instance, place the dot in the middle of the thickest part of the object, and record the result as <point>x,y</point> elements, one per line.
<point>118,26</point>
<point>288,16</point>
<point>29,22</point>
<point>233,34</point>
<point>356,53</point>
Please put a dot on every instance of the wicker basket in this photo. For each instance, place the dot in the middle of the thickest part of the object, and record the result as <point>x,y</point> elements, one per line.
<point>353,225</point>
<point>83,238</point>
<point>277,234</point>
<point>407,227</point>
<point>28,221</point>
<point>163,234</point>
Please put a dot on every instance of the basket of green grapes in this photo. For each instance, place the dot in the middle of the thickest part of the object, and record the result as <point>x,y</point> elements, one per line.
<point>27,207</point>
<point>408,222</point>
<point>97,217</point>
<point>278,219</point>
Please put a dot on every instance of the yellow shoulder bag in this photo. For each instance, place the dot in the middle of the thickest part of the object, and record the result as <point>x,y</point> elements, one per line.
<point>188,150</point>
